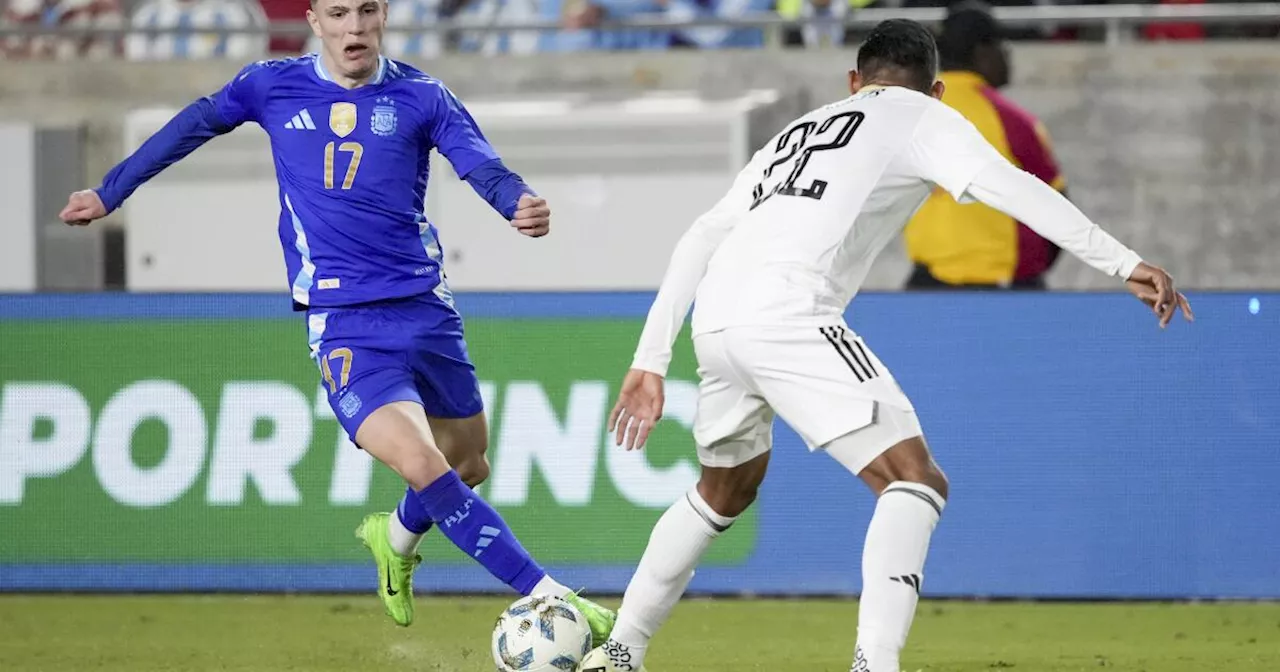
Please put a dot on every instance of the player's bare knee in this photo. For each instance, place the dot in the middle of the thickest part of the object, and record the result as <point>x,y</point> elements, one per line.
<point>466,454</point>
<point>931,476</point>
<point>474,471</point>
<point>463,442</point>
<point>729,491</point>
<point>743,496</point>
<point>924,473</point>
<point>419,466</point>
<point>727,499</point>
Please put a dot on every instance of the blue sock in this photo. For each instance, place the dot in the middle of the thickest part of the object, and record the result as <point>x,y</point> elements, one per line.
<point>412,515</point>
<point>473,526</point>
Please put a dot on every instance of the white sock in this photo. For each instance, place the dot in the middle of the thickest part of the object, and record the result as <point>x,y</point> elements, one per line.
<point>677,543</point>
<point>403,540</point>
<point>549,586</point>
<point>892,571</point>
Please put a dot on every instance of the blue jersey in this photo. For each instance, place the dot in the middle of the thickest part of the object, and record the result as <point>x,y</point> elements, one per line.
<point>352,166</point>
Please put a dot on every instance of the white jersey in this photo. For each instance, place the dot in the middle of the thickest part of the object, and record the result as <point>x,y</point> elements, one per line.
<point>817,205</point>
<point>793,239</point>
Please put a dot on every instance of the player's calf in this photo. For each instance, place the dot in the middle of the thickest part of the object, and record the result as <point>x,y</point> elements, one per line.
<point>912,494</point>
<point>677,544</point>
<point>398,435</point>
<point>463,442</point>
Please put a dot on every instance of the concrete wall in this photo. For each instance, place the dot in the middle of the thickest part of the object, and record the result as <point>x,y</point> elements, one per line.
<point>1175,148</point>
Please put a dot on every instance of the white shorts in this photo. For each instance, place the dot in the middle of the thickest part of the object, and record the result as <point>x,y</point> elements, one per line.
<point>823,382</point>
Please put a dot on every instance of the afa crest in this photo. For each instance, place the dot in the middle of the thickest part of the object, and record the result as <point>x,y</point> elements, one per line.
<point>350,404</point>
<point>383,121</point>
<point>342,119</point>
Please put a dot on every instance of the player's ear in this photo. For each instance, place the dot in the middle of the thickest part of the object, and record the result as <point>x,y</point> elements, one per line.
<point>855,81</point>
<point>938,89</point>
<point>314,20</point>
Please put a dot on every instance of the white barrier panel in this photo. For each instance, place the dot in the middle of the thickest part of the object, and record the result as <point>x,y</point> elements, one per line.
<point>624,178</point>
<point>18,252</point>
<point>624,181</point>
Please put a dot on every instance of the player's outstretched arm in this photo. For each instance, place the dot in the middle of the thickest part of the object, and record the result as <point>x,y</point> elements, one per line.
<point>505,191</point>
<point>685,270</point>
<point>1034,203</point>
<point>195,125</point>
<point>453,131</point>
<point>948,151</point>
<point>639,405</point>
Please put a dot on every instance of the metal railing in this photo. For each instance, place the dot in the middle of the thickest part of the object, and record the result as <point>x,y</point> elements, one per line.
<point>1117,21</point>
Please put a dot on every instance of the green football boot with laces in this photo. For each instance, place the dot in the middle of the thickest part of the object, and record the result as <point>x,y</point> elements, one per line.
<point>395,571</point>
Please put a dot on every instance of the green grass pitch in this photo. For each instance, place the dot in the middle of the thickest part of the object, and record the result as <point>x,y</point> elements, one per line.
<point>350,634</point>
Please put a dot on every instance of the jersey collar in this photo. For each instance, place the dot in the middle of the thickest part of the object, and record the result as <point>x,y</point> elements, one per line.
<point>324,75</point>
<point>381,74</point>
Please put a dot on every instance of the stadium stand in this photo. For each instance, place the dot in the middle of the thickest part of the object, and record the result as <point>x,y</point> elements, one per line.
<point>199,29</point>
<point>61,13</point>
<point>195,41</point>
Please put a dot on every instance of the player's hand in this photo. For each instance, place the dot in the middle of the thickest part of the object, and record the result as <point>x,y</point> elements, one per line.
<point>1154,287</point>
<point>639,408</point>
<point>533,216</point>
<point>83,207</point>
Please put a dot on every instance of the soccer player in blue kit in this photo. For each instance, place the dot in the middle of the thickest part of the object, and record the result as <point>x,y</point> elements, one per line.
<point>351,132</point>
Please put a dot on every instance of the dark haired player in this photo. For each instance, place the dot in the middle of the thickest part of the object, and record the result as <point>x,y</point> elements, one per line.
<point>773,266</point>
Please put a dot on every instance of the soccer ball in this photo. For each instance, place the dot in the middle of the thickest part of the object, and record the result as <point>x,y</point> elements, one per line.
<point>598,661</point>
<point>540,633</point>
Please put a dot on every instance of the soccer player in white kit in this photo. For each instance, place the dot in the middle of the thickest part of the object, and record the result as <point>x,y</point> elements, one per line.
<point>774,265</point>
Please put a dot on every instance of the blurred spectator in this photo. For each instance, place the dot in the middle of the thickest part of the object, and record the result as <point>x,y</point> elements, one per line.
<point>1042,31</point>
<point>818,34</point>
<point>1174,31</point>
<point>716,37</point>
<point>402,45</point>
<point>583,19</point>
<point>63,13</point>
<point>974,245</point>
<point>285,10</point>
<point>496,13</point>
<point>190,41</point>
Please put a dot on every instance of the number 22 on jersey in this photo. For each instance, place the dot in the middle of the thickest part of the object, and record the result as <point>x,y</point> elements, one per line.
<point>796,145</point>
<point>355,149</point>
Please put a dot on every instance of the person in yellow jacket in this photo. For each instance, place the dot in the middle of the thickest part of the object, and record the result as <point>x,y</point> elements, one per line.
<point>973,245</point>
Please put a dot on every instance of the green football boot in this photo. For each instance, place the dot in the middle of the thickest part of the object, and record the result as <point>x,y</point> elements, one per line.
<point>395,571</point>
<point>599,618</point>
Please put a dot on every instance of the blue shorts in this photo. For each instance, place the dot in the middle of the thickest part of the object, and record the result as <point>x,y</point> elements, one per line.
<point>397,350</point>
